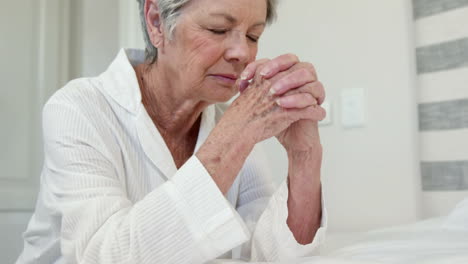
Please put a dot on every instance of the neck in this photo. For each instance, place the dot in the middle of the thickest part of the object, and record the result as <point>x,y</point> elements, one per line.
<point>172,111</point>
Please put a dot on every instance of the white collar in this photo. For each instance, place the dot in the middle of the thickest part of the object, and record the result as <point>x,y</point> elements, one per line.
<point>121,84</point>
<point>120,81</point>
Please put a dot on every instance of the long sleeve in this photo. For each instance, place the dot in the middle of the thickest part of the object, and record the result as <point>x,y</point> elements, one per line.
<point>265,212</point>
<point>110,193</point>
<point>185,220</point>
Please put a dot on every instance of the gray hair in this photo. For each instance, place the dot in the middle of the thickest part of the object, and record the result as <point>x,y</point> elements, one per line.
<point>169,11</point>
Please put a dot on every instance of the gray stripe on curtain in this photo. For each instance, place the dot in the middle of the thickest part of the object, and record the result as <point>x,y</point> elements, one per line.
<point>424,8</point>
<point>445,176</point>
<point>443,115</point>
<point>442,56</point>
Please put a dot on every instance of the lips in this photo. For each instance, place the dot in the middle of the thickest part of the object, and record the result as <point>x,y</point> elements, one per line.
<point>225,78</point>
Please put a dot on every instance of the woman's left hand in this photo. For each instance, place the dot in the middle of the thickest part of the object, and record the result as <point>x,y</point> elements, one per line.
<point>295,87</point>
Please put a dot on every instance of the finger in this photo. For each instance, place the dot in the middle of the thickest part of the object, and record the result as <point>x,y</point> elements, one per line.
<point>248,73</point>
<point>243,84</point>
<point>318,92</point>
<point>301,100</point>
<point>306,65</point>
<point>316,89</point>
<point>292,80</point>
<point>279,64</point>
<point>314,113</point>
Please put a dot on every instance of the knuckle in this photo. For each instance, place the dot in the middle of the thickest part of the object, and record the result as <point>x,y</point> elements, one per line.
<point>310,67</point>
<point>322,114</point>
<point>310,111</point>
<point>288,78</point>
<point>304,72</point>
<point>254,65</point>
<point>292,57</point>
<point>273,64</point>
<point>323,93</point>
<point>308,88</point>
<point>259,68</point>
<point>319,85</point>
<point>262,61</point>
<point>306,96</point>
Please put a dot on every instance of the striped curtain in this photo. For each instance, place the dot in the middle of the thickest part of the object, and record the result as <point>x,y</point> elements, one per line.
<point>442,66</point>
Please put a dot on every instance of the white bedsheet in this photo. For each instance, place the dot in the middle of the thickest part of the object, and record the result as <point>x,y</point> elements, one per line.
<point>310,260</point>
<point>458,218</point>
<point>440,240</point>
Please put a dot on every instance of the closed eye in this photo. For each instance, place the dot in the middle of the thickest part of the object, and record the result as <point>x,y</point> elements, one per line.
<point>218,31</point>
<point>253,38</point>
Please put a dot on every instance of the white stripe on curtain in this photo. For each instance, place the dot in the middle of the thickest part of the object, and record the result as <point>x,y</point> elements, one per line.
<point>444,145</point>
<point>435,29</point>
<point>444,85</point>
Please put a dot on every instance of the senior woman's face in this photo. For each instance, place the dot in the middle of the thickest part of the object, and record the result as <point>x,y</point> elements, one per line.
<point>213,42</point>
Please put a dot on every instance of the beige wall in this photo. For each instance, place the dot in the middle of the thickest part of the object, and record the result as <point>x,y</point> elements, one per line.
<point>371,174</point>
<point>93,44</point>
<point>94,36</point>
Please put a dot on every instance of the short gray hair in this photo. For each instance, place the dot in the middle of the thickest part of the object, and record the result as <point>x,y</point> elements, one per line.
<point>169,11</point>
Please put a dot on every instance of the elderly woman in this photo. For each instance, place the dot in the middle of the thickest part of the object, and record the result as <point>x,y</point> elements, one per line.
<point>144,164</point>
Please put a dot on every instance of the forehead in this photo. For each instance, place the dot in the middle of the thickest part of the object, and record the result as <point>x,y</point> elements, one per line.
<point>238,11</point>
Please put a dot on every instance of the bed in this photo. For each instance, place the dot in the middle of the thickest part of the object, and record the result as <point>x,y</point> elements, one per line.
<point>436,240</point>
<point>442,240</point>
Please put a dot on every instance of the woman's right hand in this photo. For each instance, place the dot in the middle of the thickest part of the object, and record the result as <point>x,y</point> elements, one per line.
<point>259,109</point>
<point>255,116</point>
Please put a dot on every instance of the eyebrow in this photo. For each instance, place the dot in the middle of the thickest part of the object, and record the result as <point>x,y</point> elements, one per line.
<point>233,20</point>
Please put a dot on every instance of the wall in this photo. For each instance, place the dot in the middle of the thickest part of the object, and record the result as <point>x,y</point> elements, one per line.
<point>92,24</point>
<point>95,36</point>
<point>442,62</point>
<point>12,225</point>
<point>371,174</point>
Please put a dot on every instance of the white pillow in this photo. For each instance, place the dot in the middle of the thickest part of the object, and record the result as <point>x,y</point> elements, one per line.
<point>458,218</point>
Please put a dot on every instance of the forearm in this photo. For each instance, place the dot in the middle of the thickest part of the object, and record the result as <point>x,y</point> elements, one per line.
<point>223,155</point>
<point>304,199</point>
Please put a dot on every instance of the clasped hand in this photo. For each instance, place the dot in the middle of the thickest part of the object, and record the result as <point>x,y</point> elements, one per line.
<point>281,97</point>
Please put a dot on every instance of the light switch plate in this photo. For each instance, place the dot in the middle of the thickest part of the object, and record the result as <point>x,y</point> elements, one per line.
<point>353,110</point>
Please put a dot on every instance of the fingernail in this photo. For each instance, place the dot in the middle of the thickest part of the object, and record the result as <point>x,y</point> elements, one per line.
<point>243,85</point>
<point>274,89</point>
<point>244,76</point>
<point>278,101</point>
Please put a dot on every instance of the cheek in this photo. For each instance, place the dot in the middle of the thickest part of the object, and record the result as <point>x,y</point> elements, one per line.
<point>253,54</point>
<point>203,52</point>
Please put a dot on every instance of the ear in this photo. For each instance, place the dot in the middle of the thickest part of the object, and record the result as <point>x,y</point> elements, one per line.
<point>154,24</point>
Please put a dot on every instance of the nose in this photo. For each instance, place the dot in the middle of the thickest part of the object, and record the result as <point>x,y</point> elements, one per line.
<point>238,49</point>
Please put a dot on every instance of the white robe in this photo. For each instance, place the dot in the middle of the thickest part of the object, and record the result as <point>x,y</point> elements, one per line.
<point>111,193</point>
